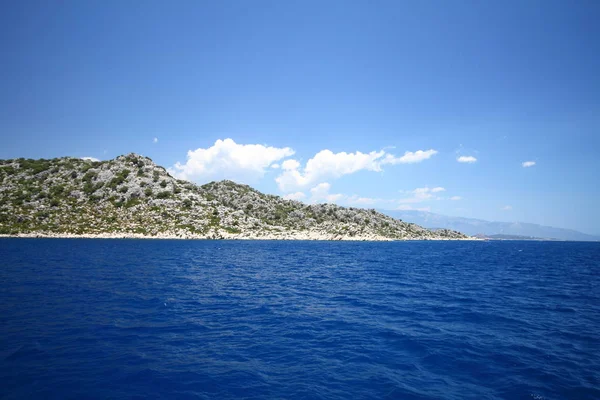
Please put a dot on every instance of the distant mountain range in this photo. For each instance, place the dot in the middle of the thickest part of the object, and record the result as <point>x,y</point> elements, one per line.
<point>500,236</point>
<point>472,226</point>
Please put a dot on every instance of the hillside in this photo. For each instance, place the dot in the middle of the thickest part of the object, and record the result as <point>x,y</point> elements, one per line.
<point>131,196</point>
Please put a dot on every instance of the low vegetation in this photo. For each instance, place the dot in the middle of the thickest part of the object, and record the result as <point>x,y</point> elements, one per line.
<point>131,194</point>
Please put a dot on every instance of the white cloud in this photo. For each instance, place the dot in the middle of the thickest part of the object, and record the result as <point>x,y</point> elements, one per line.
<point>466,159</point>
<point>328,165</point>
<point>455,198</point>
<point>320,194</point>
<point>334,198</point>
<point>324,165</point>
<point>362,201</point>
<point>295,196</point>
<point>409,157</point>
<point>227,159</point>
<point>90,159</point>
<point>289,165</point>
<point>405,207</point>
<point>421,194</point>
<point>275,166</point>
<point>506,208</point>
<point>528,164</point>
<point>338,164</point>
<point>155,140</point>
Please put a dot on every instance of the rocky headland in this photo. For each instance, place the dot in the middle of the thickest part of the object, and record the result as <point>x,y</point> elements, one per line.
<point>132,197</point>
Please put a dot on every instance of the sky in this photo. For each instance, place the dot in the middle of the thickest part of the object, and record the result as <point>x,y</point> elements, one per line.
<point>478,109</point>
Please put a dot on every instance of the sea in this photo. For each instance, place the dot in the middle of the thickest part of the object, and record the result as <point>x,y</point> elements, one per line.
<point>178,319</point>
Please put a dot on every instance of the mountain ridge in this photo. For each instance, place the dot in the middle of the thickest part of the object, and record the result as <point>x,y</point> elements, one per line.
<point>473,226</point>
<point>131,196</point>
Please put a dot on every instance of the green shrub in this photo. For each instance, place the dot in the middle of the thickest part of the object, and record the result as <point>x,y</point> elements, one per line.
<point>89,176</point>
<point>36,166</point>
<point>21,196</point>
<point>116,181</point>
<point>119,178</point>
<point>213,218</point>
<point>9,170</point>
<point>57,190</point>
<point>163,195</point>
<point>132,202</point>
<point>90,188</point>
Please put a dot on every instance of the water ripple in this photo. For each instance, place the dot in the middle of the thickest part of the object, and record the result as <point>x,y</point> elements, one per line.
<point>303,320</point>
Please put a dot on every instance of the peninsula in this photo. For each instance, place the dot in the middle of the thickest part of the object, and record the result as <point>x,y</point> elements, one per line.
<point>132,197</point>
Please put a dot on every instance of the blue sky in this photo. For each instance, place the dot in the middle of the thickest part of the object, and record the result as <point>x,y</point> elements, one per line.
<point>336,92</point>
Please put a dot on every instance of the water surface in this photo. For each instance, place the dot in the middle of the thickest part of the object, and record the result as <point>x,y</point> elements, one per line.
<point>299,320</point>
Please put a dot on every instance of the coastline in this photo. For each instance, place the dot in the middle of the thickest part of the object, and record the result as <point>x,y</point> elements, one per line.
<point>299,236</point>
<point>130,197</point>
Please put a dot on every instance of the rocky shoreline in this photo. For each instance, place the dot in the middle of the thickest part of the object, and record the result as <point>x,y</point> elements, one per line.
<point>292,236</point>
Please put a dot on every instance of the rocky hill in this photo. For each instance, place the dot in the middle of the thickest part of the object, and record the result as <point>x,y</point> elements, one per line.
<point>131,196</point>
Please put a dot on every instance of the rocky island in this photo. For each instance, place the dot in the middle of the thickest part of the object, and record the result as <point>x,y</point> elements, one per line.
<point>131,196</point>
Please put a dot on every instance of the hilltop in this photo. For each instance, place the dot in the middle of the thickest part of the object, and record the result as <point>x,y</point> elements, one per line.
<point>131,196</point>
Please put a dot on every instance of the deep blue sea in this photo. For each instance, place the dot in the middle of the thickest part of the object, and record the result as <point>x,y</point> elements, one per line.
<point>160,319</point>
